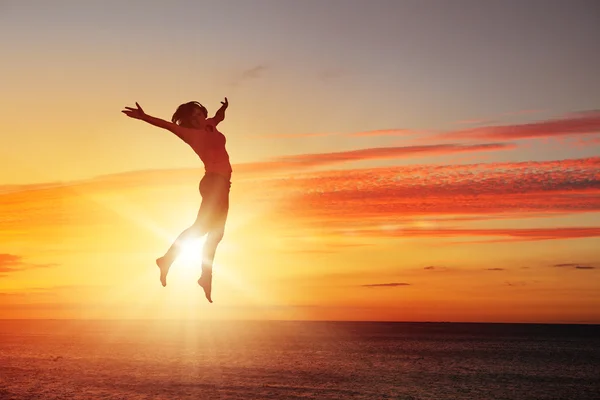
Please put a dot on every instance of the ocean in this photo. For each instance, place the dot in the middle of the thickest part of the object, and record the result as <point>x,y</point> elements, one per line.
<point>58,359</point>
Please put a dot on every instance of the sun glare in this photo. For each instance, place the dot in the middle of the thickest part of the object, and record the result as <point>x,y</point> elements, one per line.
<point>191,252</point>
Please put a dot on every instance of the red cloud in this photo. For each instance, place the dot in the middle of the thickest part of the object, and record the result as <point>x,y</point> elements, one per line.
<point>14,263</point>
<point>514,234</point>
<point>8,262</point>
<point>292,135</point>
<point>575,266</point>
<point>388,201</point>
<point>303,161</point>
<point>589,141</point>
<point>386,132</point>
<point>393,194</point>
<point>391,284</point>
<point>586,123</point>
<point>377,132</point>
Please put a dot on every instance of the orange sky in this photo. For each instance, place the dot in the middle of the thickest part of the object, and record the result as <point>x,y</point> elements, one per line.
<point>360,191</point>
<point>405,243</point>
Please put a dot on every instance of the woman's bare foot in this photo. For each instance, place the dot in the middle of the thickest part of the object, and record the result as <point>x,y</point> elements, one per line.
<point>164,266</point>
<point>205,282</point>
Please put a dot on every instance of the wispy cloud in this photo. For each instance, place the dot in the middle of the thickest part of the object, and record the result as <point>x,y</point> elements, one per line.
<point>531,234</point>
<point>583,142</point>
<point>324,248</point>
<point>8,260</point>
<point>584,123</point>
<point>306,161</point>
<point>386,153</point>
<point>516,284</point>
<point>435,268</point>
<point>391,284</point>
<point>293,135</point>
<point>331,74</point>
<point>378,132</point>
<point>26,187</point>
<point>55,292</point>
<point>494,269</point>
<point>574,266</point>
<point>10,263</point>
<point>249,74</point>
<point>574,125</point>
<point>387,132</point>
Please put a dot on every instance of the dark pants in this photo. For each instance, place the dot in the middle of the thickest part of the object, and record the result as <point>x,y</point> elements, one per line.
<point>212,215</point>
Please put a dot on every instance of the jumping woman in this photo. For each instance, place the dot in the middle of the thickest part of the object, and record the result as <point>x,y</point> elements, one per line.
<point>192,125</point>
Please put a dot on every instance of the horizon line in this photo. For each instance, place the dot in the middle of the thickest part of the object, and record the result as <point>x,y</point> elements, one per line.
<point>581,323</point>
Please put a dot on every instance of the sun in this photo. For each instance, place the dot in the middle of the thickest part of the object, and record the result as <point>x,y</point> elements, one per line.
<point>191,252</point>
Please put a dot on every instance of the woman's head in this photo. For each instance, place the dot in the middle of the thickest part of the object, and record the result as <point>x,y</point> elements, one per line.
<point>190,115</point>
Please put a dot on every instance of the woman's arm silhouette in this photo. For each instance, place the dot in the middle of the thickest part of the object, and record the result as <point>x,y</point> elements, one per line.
<point>185,134</point>
<point>220,114</point>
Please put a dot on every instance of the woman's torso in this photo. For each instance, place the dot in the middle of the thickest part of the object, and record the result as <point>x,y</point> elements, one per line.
<point>212,151</point>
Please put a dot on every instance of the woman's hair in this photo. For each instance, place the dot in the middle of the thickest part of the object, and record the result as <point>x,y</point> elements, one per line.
<point>184,112</point>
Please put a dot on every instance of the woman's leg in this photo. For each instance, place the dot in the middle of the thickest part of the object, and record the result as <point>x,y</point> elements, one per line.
<point>215,234</point>
<point>208,255</point>
<point>213,239</point>
<point>199,228</point>
<point>165,262</point>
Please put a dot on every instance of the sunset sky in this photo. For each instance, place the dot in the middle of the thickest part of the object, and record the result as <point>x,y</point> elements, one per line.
<point>394,160</point>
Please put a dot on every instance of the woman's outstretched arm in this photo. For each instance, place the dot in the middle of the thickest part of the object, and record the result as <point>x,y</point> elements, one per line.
<point>185,134</point>
<point>220,114</point>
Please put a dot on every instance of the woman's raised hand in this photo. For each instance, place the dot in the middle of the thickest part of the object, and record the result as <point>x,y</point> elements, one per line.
<point>136,113</point>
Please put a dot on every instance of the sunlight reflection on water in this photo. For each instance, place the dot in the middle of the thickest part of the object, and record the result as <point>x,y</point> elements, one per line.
<point>241,360</point>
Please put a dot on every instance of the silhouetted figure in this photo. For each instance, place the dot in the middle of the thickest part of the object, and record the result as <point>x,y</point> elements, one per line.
<point>190,123</point>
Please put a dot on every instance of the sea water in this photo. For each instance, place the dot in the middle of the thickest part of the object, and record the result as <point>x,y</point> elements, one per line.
<point>58,359</point>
